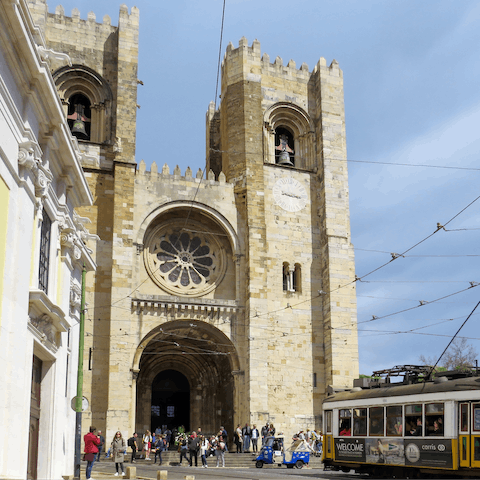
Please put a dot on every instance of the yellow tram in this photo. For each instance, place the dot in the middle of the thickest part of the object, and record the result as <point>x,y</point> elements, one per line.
<point>407,430</point>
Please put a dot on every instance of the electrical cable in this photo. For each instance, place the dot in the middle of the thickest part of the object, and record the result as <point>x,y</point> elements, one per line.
<point>453,338</point>
<point>348,160</point>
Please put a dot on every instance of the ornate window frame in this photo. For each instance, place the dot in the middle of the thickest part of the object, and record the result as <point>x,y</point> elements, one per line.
<point>79,79</point>
<point>293,118</point>
<point>44,256</point>
<point>184,260</point>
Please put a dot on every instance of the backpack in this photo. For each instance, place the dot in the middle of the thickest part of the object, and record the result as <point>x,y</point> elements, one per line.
<point>131,442</point>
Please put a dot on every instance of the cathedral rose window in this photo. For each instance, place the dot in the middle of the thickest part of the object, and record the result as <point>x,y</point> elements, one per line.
<point>185,261</point>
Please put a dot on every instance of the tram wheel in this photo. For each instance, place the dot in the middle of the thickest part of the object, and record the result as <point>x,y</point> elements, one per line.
<point>259,464</point>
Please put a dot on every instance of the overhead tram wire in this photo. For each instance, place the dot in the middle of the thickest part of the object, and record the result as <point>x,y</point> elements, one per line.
<point>415,165</point>
<point>393,164</point>
<point>451,341</point>
<point>417,256</point>
<point>421,304</point>
<point>395,256</point>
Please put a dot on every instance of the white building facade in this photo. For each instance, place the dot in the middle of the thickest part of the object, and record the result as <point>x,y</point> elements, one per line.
<point>43,248</point>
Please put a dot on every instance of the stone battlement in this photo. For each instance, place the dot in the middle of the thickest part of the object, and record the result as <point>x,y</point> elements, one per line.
<point>125,18</point>
<point>177,174</point>
<point>252,55</point>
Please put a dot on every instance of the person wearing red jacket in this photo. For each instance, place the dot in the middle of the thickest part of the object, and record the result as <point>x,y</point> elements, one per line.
<point>91,449</point>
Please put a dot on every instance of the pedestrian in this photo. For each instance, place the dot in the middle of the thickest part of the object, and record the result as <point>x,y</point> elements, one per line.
<point>225,438</point>
<point>193,448</point>
<point>264,433</point>
<point>147,444</point>
<point>132,443</point>
<point>159,448</point>
<point>119,448</point>
<point>100,445</point>
<point>255,435</point>
<point>182,448</point>
<point>220,451</point>
<point>168,438</point>
<point>204,446</point>
<point>247,433</point>
<point>237,438</point>
<point>91,449</point>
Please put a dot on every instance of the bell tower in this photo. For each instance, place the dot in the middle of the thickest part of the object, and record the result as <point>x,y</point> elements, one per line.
<point>279,136</point>
<point>94,66</point>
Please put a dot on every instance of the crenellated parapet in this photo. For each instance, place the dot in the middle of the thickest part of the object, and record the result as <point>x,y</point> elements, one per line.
<point>250,57</point>
<point>88,38</point>
<point>246,62</point>
<point>176,174</point>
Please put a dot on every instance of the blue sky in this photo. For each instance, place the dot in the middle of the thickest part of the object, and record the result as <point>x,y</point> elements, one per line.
<point>411,73</point>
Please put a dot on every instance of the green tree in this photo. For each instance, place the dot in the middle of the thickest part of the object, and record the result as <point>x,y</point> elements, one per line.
<point>460,354</point>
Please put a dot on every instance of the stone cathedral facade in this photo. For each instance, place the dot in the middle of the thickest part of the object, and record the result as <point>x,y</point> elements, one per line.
<point>221,296</point>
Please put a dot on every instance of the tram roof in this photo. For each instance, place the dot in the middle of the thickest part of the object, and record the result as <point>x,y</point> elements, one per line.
<point>395,390</point>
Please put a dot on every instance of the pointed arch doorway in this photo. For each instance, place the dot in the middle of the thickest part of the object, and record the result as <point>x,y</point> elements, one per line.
<point>185,369</point>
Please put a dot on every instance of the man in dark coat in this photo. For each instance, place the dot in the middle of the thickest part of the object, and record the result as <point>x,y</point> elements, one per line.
<point>194,447</point>
<point>132,443</point>
<point>100,445</point>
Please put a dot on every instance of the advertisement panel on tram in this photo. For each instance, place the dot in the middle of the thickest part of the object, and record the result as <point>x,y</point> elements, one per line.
<point>410,452</point>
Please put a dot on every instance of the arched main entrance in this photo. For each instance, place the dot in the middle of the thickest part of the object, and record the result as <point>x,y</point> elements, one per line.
<point>185,370</point>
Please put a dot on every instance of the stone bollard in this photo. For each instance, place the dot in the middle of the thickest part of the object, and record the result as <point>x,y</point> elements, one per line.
<point>189,477</point>
<point>131,472</point>
<point>162,474</point>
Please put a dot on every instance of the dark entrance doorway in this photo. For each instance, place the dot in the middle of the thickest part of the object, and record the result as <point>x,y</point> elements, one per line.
<point>170,400</point>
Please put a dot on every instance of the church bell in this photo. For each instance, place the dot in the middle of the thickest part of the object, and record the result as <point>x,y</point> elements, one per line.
<point>285,150</point>
<point>78,129</point>
<point>284,159</point>
<point>78,126</point>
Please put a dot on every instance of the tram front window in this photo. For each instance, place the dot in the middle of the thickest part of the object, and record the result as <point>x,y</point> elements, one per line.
<point>328,421</point>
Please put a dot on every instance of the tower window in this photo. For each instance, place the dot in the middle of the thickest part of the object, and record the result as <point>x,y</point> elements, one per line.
<point>297,278</point>
<point>79,116</point>
<point>291,277</point>
<point>285,277</point>
<point>284,147</point>
<point>45,235</point>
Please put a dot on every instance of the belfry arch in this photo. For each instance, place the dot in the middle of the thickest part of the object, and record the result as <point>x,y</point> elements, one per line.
<point>197,352</point>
